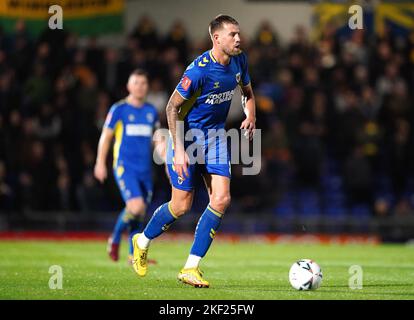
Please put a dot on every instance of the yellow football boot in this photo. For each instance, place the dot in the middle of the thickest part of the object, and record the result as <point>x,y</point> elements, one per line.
<point>131,260</point>
<point>193,277</point>
<point>139,262</point>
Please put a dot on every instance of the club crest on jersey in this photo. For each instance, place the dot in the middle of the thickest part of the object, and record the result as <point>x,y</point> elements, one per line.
<point>180,180</point>
<point>150,117</point>
<point>216,85</point>
<point>185,83</point>
<point>238,77</point>
<point>131,117</point>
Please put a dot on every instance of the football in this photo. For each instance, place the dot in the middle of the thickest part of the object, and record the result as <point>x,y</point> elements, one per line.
<point>305,274</point>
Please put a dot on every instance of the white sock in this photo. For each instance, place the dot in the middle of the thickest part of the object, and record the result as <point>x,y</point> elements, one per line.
<point>143,242</point>
<point>192,262</point>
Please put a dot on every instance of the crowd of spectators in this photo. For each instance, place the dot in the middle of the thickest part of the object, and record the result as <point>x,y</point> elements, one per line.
<point>336,115</point>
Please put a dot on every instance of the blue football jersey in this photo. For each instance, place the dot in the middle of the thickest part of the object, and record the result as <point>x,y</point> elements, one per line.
<point>133,127</point>
<point>208,87</point>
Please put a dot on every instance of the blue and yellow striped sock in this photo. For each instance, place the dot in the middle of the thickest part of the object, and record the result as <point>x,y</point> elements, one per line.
<point>160,221</point>
<point>205,231</point>
<point>121,225</point>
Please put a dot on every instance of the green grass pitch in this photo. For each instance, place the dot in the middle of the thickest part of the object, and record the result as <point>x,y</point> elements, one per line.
<point>236,271</point>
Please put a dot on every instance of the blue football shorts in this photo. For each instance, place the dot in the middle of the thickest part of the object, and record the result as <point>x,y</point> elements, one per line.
<point>211,158</point>
<point>133,184</point>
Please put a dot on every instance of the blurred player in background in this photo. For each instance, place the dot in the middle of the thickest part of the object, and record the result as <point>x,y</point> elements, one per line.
<point>132,121</point>
<point>202,101</point>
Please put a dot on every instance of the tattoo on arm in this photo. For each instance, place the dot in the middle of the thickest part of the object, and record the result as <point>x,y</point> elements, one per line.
<point>172,109</point>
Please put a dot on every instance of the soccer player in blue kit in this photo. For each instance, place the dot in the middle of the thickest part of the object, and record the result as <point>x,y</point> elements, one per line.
<point>201,101</point>
<point>132,122</point>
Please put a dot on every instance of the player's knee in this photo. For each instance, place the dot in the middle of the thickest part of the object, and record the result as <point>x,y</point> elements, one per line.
<point>136,207</point>
<point>220,202</point>
<point>181,202</point>
<point>181,207</point>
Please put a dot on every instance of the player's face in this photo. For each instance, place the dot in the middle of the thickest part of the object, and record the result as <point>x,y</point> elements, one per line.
<point>229,39</point>
<point>138,86</point>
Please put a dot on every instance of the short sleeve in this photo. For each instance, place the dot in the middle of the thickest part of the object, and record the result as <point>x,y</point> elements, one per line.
<point>190,82</point>
<point>112,117</point>
<point>245,77</point>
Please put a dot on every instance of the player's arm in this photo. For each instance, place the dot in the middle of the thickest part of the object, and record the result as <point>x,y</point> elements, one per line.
<point>104,145</point>
<point>181,160</point>
<point>249,108</point>
<point>159,142</point>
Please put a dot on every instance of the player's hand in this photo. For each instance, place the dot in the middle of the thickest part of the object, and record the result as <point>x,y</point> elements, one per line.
<point>181,162</point>
<point>249,124</point>
<point>100,172</point>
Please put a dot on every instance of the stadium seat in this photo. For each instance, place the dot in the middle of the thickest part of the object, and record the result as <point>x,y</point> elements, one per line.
<point>361,211</point>
<point>308,203</point>
<point>285,207</point>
